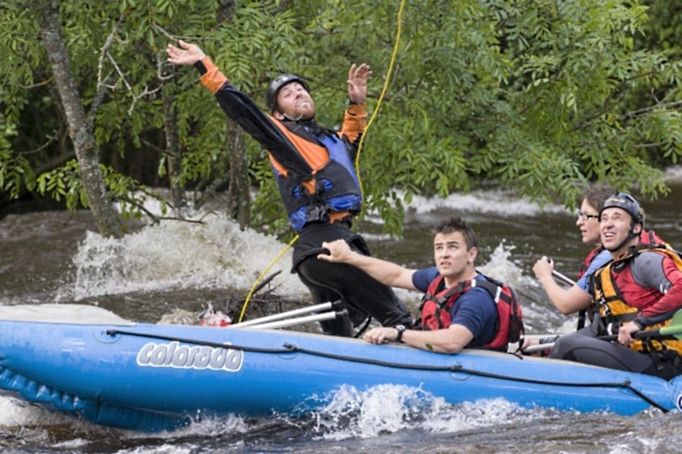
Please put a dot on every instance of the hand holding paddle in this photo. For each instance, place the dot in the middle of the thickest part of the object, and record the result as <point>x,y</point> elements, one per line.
<point>544,267</point>
<point>672,330</point>
<point>626,332</point>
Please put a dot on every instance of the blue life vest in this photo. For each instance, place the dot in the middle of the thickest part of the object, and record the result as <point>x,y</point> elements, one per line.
<point>337,187</point>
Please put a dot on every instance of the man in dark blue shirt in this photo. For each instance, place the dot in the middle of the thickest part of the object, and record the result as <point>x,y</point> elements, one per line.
<point>456,313</point>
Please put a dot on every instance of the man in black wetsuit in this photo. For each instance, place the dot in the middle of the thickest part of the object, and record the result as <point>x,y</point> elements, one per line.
<point>316,178</point>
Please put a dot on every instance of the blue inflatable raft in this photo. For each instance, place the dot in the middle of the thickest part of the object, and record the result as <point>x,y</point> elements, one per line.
<point>90,363</point>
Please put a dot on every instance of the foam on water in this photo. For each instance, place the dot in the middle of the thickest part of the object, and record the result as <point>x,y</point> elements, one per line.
<point>71,445</point>
<point>382,409</point>
<point>209,427</point>
<point>489,201</point>
<point>472,415</point>
<point>500,202</point>
<point>673,174</point>
<point>212,254</point>
<point>163,449</point>
<point>217,254</point>
<point>14,412</point>
<point>501,267</point>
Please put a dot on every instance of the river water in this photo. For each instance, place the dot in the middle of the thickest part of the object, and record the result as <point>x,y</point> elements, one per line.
<point>169,273</point>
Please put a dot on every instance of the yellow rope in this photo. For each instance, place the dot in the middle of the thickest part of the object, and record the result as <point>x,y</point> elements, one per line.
<point>357,157</point>
<point>394,55</point>
<point>260,278</point>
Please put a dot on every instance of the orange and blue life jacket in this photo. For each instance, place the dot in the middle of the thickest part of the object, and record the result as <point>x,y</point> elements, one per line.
<point>313,166</point>
<point>330,186</point>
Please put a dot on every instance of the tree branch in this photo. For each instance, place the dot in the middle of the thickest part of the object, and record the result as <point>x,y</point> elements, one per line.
<point>37,84</point>
<point>55,135</point>
<point>136,97</point>
<point>101,86</point>
<point>634,113</point>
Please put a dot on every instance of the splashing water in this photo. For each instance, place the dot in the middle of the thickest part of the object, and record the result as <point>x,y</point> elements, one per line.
<point>178,255</point>
<point>383,409</point>
<point>673,174</point>
<point>501,267</point>
<point>16,413</point>
<point>500,202</point>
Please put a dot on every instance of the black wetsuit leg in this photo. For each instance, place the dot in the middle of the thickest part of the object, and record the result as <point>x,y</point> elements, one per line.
<point>340,326</point>
<point>584,347</point>
<point>356,289</point>
<point>327,281</point>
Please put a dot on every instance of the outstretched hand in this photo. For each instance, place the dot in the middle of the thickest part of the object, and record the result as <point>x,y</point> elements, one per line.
<point>357,82</point>
<point>186,54</point>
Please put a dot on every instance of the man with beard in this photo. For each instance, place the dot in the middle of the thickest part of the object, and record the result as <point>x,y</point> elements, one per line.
<point>318,183</point>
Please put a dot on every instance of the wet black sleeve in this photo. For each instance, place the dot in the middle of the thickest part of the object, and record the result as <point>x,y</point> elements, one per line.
<point>244,111</point>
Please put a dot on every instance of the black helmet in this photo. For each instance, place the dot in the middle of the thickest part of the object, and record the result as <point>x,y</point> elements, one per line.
<point>277,84</point>
<point>625,202</point>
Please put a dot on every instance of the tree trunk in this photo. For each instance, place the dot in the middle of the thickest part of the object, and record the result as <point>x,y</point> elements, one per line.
<point>80,130</point>
<point>173,156</point>
<point>238,199</point>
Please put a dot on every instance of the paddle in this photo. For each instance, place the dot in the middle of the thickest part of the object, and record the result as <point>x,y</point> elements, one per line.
<point>674,330</point>
<point>563,278</point>
<point>290,314</point>
<point>298,320</point>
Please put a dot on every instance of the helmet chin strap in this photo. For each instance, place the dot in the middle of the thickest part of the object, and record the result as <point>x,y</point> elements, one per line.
<point>295,119</point>
<point>631,235</point>
<point>288,118</point>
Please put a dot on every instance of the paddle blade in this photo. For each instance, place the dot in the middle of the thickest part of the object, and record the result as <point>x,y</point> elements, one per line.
<point>675,327</point>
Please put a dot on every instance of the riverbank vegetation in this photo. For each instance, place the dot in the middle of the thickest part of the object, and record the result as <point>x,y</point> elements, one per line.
<point>539,96</point>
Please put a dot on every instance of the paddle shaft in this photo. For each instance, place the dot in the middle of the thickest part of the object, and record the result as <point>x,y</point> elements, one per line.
<point>296,321</point>
<point>563,278</point>
<point>667,331</point>
<point>288,314</point>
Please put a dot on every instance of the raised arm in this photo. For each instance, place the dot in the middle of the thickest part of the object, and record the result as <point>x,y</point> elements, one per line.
<point>357,82</point>
<point>186,54</point>
<point>355,117</point>
<point>387,273</point>
<point>239,107</point>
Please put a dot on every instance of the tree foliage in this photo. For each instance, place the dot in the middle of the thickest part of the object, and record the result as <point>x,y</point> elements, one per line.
<point>535,95</point>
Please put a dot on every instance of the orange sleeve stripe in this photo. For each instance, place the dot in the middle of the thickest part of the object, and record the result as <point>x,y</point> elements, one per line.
<point>354,122</point>
<point>212,79</point>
